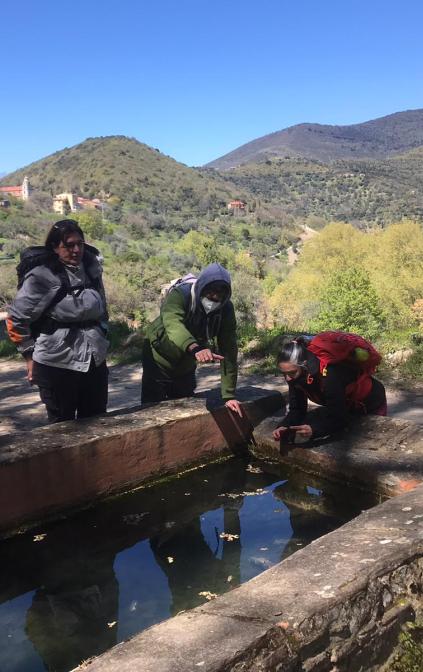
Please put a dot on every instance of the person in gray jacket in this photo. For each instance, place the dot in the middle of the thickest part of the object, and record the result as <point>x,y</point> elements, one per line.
<point>58,321</point>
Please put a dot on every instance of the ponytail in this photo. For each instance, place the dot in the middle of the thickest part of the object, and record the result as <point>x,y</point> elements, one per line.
<point>294,352</point>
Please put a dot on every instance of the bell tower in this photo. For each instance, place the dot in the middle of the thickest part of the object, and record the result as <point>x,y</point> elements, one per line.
<point>26,189</point>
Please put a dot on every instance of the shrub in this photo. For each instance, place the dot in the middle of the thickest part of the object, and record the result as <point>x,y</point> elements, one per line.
<point>7,348</point>
<point>118,333</point>
<point>350,303</point>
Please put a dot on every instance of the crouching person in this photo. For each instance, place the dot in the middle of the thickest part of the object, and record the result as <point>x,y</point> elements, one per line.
<point>58,321</point>
<point>334,370</point>
<point>196,325</point>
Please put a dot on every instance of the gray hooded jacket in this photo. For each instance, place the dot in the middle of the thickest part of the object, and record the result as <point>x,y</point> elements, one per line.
<point>66,347</point>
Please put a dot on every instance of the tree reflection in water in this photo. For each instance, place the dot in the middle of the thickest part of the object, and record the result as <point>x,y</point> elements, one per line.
<point>164,539</point>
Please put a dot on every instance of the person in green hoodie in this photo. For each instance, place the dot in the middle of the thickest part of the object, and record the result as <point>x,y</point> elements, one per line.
<point>196,325</point>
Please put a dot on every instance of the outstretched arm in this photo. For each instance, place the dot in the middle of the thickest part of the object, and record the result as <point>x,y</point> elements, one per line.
<point>228,347</point>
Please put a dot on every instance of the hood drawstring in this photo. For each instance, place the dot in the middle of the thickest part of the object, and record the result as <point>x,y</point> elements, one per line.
<point>214,322</point>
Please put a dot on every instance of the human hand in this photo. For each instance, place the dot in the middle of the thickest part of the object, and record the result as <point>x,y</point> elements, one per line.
<point>277,434</point>
<point>29,367</point>
<point>303,430</point>
<point>206,355</point>
<point>234,406</point>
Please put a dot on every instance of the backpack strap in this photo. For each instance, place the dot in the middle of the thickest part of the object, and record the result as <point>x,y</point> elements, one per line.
<point>185,288</point>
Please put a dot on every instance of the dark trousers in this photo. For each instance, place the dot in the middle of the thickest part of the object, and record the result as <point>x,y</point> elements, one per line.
<point>158,384</point>
<point>375,402</point>
<point>72,394</point>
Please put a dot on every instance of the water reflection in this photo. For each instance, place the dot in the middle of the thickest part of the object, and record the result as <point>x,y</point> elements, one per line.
<point>106,574</point>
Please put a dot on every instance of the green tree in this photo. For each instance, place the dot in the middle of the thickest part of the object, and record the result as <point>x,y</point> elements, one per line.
<point>247,297</point>
<point>205,249</point>
<point>394,264</point>
<point>7,284</point>
<point>91,222</point>
<point>350,303</point>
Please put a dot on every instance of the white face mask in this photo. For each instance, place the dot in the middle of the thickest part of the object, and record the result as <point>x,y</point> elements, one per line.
<point>209,305</point>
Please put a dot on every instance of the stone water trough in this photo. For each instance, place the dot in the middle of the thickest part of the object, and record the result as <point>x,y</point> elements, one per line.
<point>337,604</point>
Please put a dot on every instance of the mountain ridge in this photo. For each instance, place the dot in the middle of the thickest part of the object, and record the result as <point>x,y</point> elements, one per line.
<point>136,178</point>
<point>374,139</point>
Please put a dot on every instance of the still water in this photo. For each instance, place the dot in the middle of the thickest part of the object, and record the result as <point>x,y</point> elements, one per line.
<point>73,589</point>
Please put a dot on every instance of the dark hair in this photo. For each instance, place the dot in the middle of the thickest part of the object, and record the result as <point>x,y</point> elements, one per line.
<point>60,230</point>
<point>294,352</point>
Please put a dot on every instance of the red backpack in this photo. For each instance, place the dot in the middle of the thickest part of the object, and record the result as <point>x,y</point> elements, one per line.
<point>334,347</point>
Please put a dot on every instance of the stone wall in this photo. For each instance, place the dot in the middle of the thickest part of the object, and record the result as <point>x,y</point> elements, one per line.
<point>382,455</point>
<point>54,470</point>
<point>333,606</point>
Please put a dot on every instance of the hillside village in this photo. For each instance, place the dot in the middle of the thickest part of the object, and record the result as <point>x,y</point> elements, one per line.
<point>62,203</point>
<point>68,202</point>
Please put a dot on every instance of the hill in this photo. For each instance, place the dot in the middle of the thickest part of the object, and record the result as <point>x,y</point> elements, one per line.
<point>162,220</point>
<point>377,139</point>
<point>139,181</point>
<point>127,170</point>
<point>362,191</point>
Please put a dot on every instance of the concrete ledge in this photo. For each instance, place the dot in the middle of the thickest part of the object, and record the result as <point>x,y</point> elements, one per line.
<point>55,469</point>
<point>382,455</point>
<point>336,604</point>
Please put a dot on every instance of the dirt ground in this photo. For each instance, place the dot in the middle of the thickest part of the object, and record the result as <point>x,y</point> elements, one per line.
<point>21,408</point>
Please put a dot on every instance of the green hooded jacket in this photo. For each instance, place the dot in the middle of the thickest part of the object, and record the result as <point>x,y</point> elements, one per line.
<point>183,321</point>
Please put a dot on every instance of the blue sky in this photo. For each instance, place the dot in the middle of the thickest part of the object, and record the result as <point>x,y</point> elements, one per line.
<point>199,78</point>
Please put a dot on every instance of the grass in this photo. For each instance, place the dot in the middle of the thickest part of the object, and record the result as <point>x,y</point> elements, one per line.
<point>259,348</point>
<point>7,349</point>
<point>125,344</point>
<point>409,654</point>
<point>263,366</point>
<point>408,373</point>
<point>412,369</point>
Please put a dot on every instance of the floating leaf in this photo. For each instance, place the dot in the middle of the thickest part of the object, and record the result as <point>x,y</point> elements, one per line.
<point>228,537</point>
<point>254,470</point>
<point>39,537</point>
<point>208,595</point>
<point>249,493</point>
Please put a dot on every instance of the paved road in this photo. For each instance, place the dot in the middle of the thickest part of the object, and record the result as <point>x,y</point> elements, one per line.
<point>21,409</point>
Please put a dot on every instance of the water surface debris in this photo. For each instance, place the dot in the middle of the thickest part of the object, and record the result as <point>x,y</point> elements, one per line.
<point>39,537</point>
<point>207,594</point>
<point>228,536</point>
